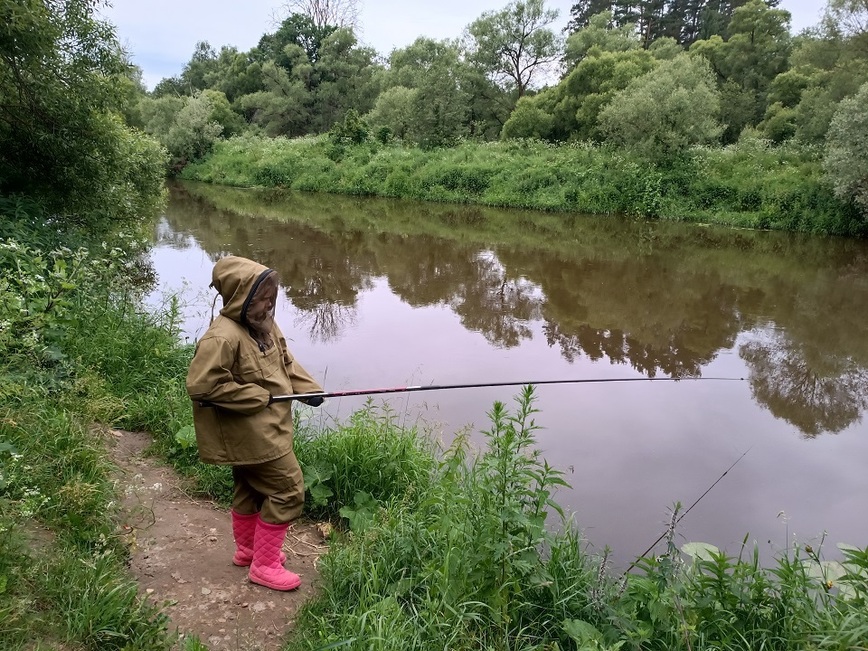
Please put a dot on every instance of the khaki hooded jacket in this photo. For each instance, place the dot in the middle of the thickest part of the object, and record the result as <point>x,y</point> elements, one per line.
<point>233,372</point>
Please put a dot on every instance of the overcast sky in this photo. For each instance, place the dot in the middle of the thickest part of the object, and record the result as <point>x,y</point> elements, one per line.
<point>161,34</point>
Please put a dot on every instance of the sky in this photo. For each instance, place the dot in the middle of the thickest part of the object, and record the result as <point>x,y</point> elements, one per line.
<point>161,34</point>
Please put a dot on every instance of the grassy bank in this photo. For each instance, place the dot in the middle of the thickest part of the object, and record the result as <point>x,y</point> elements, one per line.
<point>63,579</point>
<point>747,185</point>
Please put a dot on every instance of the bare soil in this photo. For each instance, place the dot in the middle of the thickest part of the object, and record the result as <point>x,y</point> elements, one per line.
<point>182,549</point>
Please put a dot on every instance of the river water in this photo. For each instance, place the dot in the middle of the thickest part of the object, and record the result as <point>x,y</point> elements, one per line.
<point>379,293</point>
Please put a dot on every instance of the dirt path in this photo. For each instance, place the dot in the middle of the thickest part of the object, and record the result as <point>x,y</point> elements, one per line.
<point>182,556</point>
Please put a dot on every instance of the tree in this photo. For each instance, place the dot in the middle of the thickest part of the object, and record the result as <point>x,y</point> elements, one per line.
<point>441,103</point>
<point>341,79</point>
<point>326,13</point>
<point>850,19</point>
<point>284,107</point>
<point>301,95</point>
<point>601,33</point>
<point>394,109</point>
<point>593,85</point>
<point>201,64</point>
<point>195,131</point>
<point>583,11</point>
<point>62,140</point>
<point>236,73</point>
<point>530,119</point>
<point>574,105</point>
<point>297,29</point>
<point>514,44</point>
<point>756,51</point>
<point>169,86</point>
<point>662,114</point>
<point>846,157</point>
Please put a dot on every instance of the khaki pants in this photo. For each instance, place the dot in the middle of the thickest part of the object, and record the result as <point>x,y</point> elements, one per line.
<point>275,489</point>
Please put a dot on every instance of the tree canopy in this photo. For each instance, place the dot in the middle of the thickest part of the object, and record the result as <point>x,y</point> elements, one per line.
<point>64,84</point>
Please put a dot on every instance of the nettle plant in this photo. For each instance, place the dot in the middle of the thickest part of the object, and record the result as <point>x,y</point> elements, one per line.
<point>42,294</point>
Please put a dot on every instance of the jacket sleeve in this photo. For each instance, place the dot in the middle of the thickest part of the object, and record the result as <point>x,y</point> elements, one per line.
<point>210,379</point>
<point>302,382</point>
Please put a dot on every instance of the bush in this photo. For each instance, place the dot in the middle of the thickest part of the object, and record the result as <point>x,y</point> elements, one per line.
<point>846,156</point>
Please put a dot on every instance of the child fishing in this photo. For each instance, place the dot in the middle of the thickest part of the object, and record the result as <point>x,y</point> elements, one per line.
<point>240,364</point>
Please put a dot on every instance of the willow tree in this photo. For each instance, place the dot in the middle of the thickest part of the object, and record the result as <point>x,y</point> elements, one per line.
<point>515,45</point>
<point>63,141</point>
<point>846,155</point>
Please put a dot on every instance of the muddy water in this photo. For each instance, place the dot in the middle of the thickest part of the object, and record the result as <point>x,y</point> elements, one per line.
<point>384,293</point>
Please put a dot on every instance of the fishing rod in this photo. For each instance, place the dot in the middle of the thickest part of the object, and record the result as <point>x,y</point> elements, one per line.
<point>680,517</point>
<point>442,387</point>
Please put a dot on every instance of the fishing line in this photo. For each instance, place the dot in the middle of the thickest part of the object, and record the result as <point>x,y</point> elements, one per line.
<point>680,517</point>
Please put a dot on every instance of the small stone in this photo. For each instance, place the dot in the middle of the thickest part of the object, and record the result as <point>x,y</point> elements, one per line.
<point>206,590</point>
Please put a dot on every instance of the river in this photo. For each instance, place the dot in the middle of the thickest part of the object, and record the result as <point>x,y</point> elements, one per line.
<point>379,293</point>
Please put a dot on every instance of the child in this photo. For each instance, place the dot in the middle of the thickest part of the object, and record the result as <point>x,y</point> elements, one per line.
<point>240,364</point>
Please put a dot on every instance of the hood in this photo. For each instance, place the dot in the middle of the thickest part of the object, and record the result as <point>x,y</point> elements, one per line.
<point>236,278</point>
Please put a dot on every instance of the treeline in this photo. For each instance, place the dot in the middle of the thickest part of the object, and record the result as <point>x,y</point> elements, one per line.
<point>655,77</point>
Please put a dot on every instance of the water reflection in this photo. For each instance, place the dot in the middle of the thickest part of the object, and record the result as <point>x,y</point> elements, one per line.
<point>815,391</point>
<point>663,299</point>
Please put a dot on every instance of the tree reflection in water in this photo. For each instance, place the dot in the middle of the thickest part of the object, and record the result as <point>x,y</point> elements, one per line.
<point>326,321</point>
<point>804,385</point>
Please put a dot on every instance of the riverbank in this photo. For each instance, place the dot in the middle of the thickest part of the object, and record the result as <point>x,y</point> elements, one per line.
<point>749,185</point>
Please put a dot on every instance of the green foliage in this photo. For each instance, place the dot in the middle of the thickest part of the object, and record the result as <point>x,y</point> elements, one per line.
<point>56,385</point>
<point>756,51</point>
<point>748,185</point>
<point>466,562</point>
<point>316,76</point>
<point>846,155</point>
<point>352,131</point>
<point>189,126</point>
<point>428,95</point>
<point>394,110</point>
<point>515,43</point>
<point>528,120</point>
<point>362,512</point>
<point>368,454</point>
<point>571,110</point>
<point>662,115</point>
<point>235,74</point>
<point>62,85</point>
<point>299,30</point>
<point>601,35</point>
<point>457,562</point>
<point>194,131</point>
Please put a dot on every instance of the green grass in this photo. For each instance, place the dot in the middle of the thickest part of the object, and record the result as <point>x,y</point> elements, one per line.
<point>63,577</point>
<point>748,185</point>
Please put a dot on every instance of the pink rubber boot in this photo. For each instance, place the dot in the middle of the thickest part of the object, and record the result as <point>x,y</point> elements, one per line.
<point>266,568</point>
<point>243,530</point>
